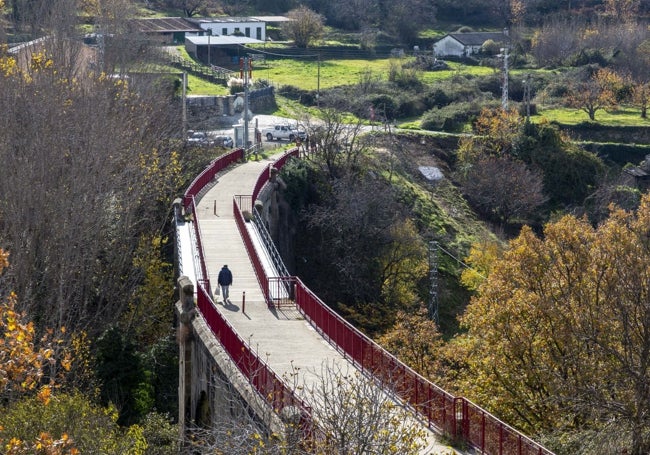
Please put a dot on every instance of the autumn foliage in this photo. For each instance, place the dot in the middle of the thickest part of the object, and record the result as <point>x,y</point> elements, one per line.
<point>22,365</point>
<point>558,337</point>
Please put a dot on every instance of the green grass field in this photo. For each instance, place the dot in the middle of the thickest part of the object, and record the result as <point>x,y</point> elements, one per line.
<point>307,74</point>
<point>624,116</point>
<point>310,74</point>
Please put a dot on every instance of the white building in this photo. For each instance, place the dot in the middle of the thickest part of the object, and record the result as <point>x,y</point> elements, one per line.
<point>250,27</point>
<point>466,44</point>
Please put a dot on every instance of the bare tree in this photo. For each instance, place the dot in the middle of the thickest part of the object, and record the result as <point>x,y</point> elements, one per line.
<point>336,141</point>
<point>85,174</point>
<point>504,187</point>
<point>356,415</point>
<point>350,413</point>
<point>405,18</point>
<point>304,27</point>
<point>555,41</point>
<point>355,229</point>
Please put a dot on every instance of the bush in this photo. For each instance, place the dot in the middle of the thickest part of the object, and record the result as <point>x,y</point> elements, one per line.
<point>410,106</point>
<point>92,428</point>
<point>490,85</point>
<point>451,118</point>
<point>385,105</point>
<point>570,173</point>
<point>404,78</point>
<point>490,47</point>
<point>297,94</point>
<point>588,57</point>
<point>618,153</point>
<point>125,382</point>
<point>437,98</point>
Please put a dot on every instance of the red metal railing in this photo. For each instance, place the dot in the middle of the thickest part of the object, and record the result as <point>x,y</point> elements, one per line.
<point>269,386</point>
<point>455,416</point>
<point>250,248</point>
<point>209,172</point>
<point>189,204</point>
<point>278,164</point>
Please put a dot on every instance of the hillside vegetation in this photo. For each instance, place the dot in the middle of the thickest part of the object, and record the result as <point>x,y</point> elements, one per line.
<point>541,293</point>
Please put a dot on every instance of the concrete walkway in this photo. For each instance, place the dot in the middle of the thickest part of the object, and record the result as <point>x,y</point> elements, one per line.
<point>281,337</point>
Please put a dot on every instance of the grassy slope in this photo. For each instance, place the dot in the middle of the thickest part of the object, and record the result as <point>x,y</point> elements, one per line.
<point>309,74</point>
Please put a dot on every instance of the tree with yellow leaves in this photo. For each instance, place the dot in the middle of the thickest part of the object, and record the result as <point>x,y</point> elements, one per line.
<point>596,93</point>
<point>558,338</point>
<point>22,366</point>
<point>416,341</point>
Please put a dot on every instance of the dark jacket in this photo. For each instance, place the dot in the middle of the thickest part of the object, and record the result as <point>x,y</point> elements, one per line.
<point>225,277</point>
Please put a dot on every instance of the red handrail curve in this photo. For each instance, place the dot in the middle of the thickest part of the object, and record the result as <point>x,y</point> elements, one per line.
<point>268,385</point>
<point>455,416</point>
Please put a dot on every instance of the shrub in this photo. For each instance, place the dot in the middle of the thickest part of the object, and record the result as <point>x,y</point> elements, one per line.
<point>92,428</point>
<point>403,77</point>
<point>385,105</point>
<point>490,85</point>
<point>490,47</point>
<point>588,57</point>
<point>570,173</point>
<point>437,98</point>
<point>451,118</point>
<point>410,106</point>
<point>297,94</point>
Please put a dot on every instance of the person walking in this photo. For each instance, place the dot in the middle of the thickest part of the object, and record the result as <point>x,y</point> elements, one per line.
<point>225,280</point>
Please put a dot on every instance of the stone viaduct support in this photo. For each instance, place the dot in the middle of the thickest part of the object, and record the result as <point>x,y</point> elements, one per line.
<point>212,390</point>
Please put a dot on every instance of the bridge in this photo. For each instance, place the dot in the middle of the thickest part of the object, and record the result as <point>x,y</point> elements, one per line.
<point>273,329</point>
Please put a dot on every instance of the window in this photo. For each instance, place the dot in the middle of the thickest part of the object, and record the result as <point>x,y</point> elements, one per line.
<point>224,31</point>
<point>248,31</point>
<point>259,33</point>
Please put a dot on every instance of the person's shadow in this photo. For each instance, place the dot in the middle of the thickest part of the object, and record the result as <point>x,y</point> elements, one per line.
<point>228,305</point>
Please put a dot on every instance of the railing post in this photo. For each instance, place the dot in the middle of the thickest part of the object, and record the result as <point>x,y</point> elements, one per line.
<point>243,302</point>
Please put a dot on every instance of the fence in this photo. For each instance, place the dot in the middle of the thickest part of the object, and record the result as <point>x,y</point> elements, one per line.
<point>269,386</point>
<point>455,416</point>
<point>210,73</point>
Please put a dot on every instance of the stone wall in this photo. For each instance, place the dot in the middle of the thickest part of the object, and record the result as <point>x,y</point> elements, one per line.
<point>212,390</point>
<point>219,112</point>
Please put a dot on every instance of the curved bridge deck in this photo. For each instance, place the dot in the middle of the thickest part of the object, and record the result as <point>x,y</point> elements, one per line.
<point>286,341</point>
<point>280,336</point>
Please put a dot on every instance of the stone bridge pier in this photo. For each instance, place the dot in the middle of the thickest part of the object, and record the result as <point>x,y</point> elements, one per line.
<point>213,392</point>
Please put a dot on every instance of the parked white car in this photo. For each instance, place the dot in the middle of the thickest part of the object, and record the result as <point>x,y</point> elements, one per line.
<point>283,132</point>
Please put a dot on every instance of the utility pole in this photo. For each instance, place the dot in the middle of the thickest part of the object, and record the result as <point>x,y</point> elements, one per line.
<point>318,84</point>
<point>527,96</point>
<point>184,100</point>
<point>209,31</point>
<point>504,87</point>
<point>247,71</point>
<point>433,282</point>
